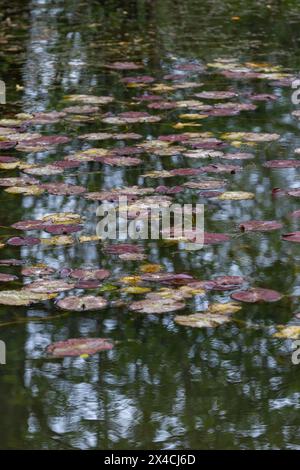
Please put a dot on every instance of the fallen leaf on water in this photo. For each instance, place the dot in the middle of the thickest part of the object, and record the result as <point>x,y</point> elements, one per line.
<point>81,304</point>
<point>79,346</point>
<point>23,297</point>
<point>257,295</point>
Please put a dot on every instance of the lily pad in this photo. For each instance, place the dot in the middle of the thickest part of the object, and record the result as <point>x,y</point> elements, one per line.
<point>260,225</point>
<point>47,286</point>
<point>257,295</point>
<point>282,164</point>
<point>79,347</point>
<point>23,297</point>
<point>7,277</point>
<point>90,274</point>
<point>81,304</point>
<point>161,305</point>
<point>288,332</point>
<point>236,196</point>
<point>23,241</point>
<point>291,237</point>
<point>200,320</point>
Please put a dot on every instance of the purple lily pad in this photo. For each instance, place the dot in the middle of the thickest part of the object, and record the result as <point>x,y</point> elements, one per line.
<point>81,304</point>
<point>169,190</point>
<point>23,241</point>
<point>282,164</point>
<point>62,229</point>
<point>291,237</point>
<point>138,79</point>
<point>7,145</point>
<point>123,248</point>
<point>7,277</point>
<point>46,141</point>
<point>224,283</point>
<point>90,274</point>
<point>79,346</point>
<point>257,295</point>
<point>124,66</point>
<point>61,189</point>
<point>214,238</point>
<point>260,225</point>
<point>168,278</point>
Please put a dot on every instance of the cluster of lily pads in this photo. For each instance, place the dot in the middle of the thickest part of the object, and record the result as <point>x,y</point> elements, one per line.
<point>223,154</point>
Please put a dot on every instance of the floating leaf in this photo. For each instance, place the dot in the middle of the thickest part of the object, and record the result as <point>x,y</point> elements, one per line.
<point>288,332</point>
<point>23,297</point>
<point>23,241</point>
<point>161,305</point>
<point>124,66</point>
<point>79,347</point>
<point>7,277</point>
<point>135,290</point>
<point>282,164</point>
<point>224,309</point>
<point>216,95</point>
<point>62,189</point>
<point>291,237</point>
<point>227,282</point>
<point>168,278</point>
<point>251,136</point>
<point>236,196</point>
<point>47,286</point>
<point>58,240</point>
<point>200,320</point>
<point>81,304</point>
<point>62,229</point>
<point>257,295</point>
<point>62,218</point>
<point>88,274</point>
<point>260,225</point>
<point>30,190</point>
<point>39,270</point>
<point>89,99</point>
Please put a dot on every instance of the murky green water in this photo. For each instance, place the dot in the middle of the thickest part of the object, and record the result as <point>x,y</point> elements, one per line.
<point>163,385</point>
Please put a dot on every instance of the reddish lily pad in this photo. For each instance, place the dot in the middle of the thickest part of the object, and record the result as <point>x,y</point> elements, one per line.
<point>46,286</point>
<point>7,277</point>
<point>214,238</point>
<point>291,237</point>
<point>90,274</point>
<point>23,241</point>
<point>37,271</point>
<point>7,145</point>
<point>260,225</point>
<point>124,66</point>
<point>257,295</point>
<point>159,305</point>
<point>11,262</point>
<point>61,189</point>
<point>138,79</point>
<point>216,95</point>
<point>282,164</point>
<point>224,283</point>
<point>62,229</point>
<point>79,346</point>
<point>123,248</point>
<point>81,304</point>
<point>168,278</point>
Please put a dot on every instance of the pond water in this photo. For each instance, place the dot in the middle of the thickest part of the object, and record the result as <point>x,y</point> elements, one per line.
<point>163,385</point>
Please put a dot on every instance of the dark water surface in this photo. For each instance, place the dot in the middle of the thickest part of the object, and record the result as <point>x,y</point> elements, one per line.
<point>163,385</point>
